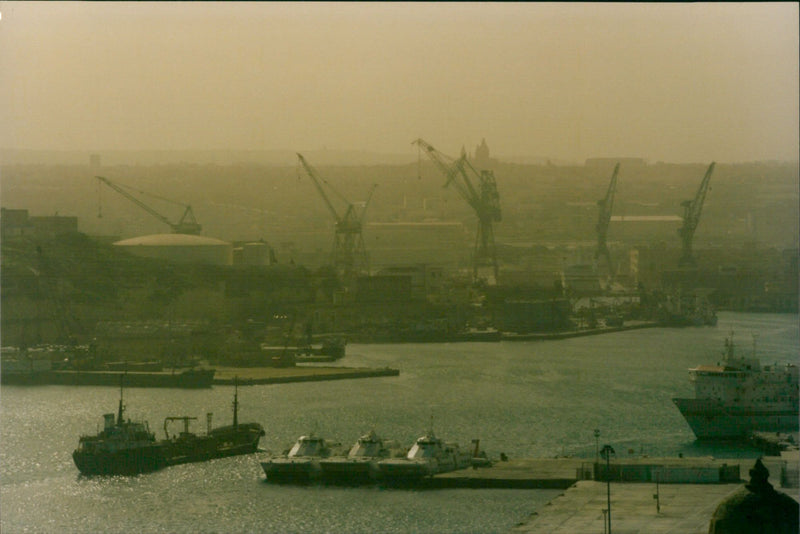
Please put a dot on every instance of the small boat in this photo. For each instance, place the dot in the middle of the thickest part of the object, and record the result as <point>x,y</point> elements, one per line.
<point>301,463</point>
<point>361,463</point>
<point>427,457</point>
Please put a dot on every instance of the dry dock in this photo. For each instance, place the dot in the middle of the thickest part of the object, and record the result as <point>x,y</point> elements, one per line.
<point>283,375</point>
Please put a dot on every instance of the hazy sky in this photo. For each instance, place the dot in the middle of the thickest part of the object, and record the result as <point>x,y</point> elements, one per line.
<point>676,82</point>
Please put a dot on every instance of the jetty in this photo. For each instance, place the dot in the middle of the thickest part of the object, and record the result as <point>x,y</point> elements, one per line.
<point>655,495</point>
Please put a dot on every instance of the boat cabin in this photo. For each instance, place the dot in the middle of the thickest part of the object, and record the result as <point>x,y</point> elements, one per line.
<point>368,445</point>
<point>428,446</point>
<point>309,446</point>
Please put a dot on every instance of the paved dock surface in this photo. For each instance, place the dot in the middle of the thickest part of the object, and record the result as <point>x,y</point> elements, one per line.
<point>685,509</point>
<point>524,473</point>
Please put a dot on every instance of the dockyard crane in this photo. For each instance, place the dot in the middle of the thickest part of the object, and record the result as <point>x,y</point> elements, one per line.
<point>603,220</point>
<point>349,255</point>
<point>484,200</point>
<point>187,223</point>
<point>691,217</point>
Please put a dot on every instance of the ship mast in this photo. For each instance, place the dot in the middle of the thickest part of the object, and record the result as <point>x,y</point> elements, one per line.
<point>120,409</point>
<point>236,402</point>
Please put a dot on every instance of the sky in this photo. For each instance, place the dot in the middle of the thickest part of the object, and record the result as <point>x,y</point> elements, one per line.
<point>688,82</point>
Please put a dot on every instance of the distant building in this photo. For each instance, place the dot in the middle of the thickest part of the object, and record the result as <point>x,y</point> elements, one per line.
<point>412,243</point>
<point>15,222</point>
<point>18,222</point>
<point>258,254</point>
<point>524,316</point>
<point>54,225</point>
<point>483,159</point>
<point>624,163</point>
<point>136,341</point>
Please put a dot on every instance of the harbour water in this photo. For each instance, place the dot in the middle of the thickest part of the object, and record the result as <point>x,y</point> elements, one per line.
<point>525,399</point>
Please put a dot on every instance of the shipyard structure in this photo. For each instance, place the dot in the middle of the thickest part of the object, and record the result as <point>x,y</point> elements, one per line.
<point>451,264</point>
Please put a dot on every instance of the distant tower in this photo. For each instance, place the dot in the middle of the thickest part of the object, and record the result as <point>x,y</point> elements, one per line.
<point>482,158</point>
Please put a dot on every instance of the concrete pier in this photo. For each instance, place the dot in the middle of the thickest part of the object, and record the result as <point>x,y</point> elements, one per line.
<point>639,504</point>
<point>684,509</point>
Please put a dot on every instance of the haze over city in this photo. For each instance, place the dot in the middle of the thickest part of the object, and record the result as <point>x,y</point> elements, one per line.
<point>677,82</point>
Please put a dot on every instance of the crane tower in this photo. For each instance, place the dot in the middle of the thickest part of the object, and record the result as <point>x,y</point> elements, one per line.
<point>691,217</point>
<point>603,220</point>
<point>187,223</point>
<point>484,200</point>
<point>349,255</point>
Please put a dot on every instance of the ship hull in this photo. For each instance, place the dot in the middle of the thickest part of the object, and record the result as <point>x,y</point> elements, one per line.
<point>298,470</point>
<point>131,461</point>
<point>349,470</point>
<point>219,443</point>
<point>711,419</point>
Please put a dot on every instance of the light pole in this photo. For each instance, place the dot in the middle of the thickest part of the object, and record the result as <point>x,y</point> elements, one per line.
<point>607,452</point>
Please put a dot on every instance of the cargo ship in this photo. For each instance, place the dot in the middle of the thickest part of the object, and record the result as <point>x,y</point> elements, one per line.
<point>126,447</point>
<point>739,396</point>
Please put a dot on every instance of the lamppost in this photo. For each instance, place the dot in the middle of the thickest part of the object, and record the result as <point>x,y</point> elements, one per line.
<point>607,452</point>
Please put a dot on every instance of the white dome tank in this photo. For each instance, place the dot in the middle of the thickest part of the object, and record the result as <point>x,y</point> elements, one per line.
<point>182,248</point>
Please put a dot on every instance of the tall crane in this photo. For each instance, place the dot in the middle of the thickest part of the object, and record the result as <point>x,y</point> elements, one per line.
<point>349,255</point>
<point>691,217</point>
<point>187,223</point>
<point>603,220</point>
<point>484,200</point>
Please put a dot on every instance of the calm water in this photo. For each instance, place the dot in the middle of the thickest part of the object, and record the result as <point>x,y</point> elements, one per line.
<point>524,399</point>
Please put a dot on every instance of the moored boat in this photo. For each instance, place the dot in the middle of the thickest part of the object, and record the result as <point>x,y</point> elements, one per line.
<point>121,448</point>
<point>361,463</point>
<point>130,448</point>
<point>230,440</point>
<point>427,457</point>
<point>301,463</point>
<point>739,396</point>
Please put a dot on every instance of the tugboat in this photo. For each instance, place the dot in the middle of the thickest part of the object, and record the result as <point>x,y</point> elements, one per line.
<point>130,448</point>
<point>737,397</point>
<point>121,448</point>
<point>301,463</point>
<point>361,463</point>
<point>427,457</point>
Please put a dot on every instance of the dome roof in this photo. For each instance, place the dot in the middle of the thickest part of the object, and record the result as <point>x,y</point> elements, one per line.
<point>171,240</point>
